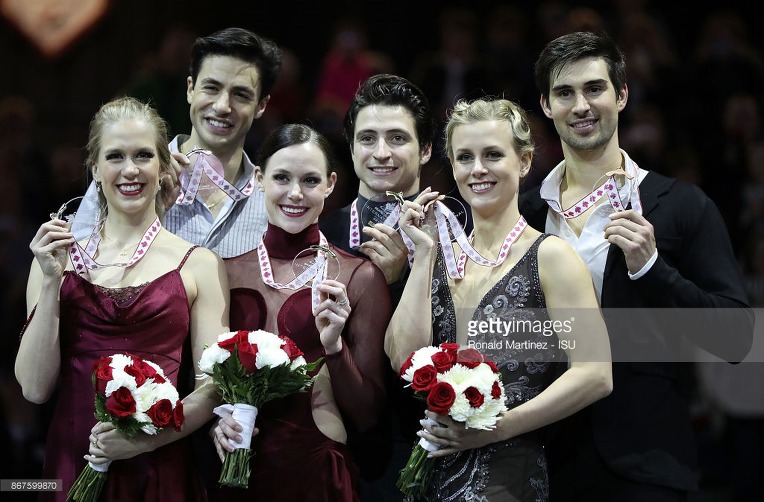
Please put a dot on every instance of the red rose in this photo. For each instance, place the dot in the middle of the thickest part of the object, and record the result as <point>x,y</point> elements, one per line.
<point>247,353</point>
<point>121,403</point>
<point>177,415</point>
<point>136,373</point>
<point>450,348</point>
<point>495,390</point>
<point>161,413</point>
<point>424,378</point>
<point>291,348</point>
<point>232,342</point>
<point>442,361</point>
<point>102,374</point>
<point>408,364</point>
<point>470,358</point>
<point>440,398</point>
<point>492,365</point>
<point>474,396</point>
<point>147,370</point>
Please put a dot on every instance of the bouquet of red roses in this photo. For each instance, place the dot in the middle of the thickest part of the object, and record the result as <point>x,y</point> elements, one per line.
<point>264,367</point>
<point>135,396</point>
<point>459,382</point>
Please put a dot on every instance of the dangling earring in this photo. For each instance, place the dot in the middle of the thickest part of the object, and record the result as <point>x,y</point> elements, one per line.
<point>159,186</point>
<point>98,186</point>
<point>261,188</point>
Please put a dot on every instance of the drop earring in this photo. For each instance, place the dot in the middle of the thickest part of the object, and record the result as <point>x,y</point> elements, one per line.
<point>98,186</point>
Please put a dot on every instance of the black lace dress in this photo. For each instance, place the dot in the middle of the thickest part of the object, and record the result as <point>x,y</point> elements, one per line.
<point>515,336</point>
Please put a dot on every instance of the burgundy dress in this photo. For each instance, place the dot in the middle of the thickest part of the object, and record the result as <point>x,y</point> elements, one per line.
<point>293,459</point>
<point>150,321</point>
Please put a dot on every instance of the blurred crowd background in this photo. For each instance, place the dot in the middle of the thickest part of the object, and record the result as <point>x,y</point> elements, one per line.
<point>695,111</point>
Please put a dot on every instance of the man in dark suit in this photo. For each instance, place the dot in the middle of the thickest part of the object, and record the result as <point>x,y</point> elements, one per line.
<point>663,266</point>
<point>390,130</point>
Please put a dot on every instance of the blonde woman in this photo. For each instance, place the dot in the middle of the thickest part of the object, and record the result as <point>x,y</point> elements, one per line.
<point>504,273</point>
<point>143,291</point>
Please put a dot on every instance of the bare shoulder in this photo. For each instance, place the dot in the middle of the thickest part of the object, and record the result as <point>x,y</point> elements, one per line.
<point>558,259</point>
<point>177,248</point>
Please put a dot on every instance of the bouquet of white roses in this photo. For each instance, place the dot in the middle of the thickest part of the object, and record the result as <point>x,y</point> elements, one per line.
<point>461,383</point>
<point>135,396</point>
<point>264,366</point>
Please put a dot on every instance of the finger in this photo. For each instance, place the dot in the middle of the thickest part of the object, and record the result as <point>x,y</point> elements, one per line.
<point>333,288</point>
<point>181,161</point>
<point>387,236</point>
<point>426,195</point>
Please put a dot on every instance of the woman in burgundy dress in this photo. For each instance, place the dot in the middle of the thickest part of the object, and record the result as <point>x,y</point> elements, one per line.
<point>341,315</point>
<point>131,287</point>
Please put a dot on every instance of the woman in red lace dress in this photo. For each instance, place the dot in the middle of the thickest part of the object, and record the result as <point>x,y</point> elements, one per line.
<point>300,450</point>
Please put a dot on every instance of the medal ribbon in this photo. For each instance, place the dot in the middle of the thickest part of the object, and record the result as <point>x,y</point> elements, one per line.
<point>82,259</point>
<point>203,166</point>
<point>609,187</point>
<point>447,222</point>
<point>316,272</point>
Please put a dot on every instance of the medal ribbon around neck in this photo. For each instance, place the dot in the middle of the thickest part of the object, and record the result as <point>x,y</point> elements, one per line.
<point>315,273</point>
<point>609,187</point>
<point>83,261</point>
<point>446,221</point>
<point>203,166</point>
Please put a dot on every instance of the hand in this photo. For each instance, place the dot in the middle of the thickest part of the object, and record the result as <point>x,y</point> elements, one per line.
<point>418,219</point>
<point>50,245</point>
<point>453,436</point>
<point>226,430</point>
<point>631,232</point>
<point>331,314</point>
<point>386,250</point>
<point>107,443</point>
<point>169,181</point>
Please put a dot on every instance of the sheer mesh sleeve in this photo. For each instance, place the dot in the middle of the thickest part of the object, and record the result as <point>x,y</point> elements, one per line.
<point>357,371</point>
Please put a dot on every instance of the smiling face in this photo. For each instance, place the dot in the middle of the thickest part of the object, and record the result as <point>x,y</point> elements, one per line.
<point>128,166</point>
<point>224,99</point>
<point>487,168</point>
<point>386,152</point>
<point>296,183</point>
<point>584,105</point>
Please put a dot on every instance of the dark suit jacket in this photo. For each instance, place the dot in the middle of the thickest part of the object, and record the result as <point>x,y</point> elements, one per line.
<point>642,430</point>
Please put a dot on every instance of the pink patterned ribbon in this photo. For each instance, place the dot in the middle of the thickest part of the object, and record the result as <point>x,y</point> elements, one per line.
<point>203,166</point>
<point>316,272</point>
<point>83,261</point>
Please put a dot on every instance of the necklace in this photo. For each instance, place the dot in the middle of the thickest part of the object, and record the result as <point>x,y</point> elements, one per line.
<point>126,248</point>
<point>82,259</point>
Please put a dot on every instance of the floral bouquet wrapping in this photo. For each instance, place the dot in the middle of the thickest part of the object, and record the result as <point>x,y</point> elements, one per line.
<point>264,367</point>
<point>135,396</point>
<point>461,383</point>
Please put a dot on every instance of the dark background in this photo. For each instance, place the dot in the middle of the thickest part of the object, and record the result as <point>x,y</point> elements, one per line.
<point>694,112</point>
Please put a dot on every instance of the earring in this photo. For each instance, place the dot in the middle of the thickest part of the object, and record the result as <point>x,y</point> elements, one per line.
<point>159,186</point>
<point>98,186</point>
<point>326,195</point>
<point>261,188</point>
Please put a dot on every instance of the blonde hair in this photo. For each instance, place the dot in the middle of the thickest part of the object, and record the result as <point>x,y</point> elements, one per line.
<point>127,108</point>
<point>482,110</point>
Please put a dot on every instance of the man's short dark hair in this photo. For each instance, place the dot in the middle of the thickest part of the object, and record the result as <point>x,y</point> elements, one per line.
<point>241,44</point>
<point>392,90</point>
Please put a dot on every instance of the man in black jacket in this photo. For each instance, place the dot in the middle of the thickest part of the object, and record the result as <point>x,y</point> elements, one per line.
<point>663,266</point>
